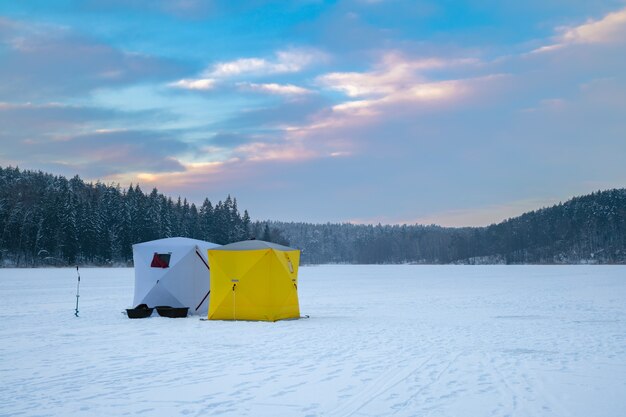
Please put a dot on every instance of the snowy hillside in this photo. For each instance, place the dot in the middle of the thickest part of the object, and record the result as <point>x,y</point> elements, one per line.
<point>381,341</point>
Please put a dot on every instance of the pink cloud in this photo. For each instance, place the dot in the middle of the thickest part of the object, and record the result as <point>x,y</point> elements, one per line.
<point>194,174</point>
<point>423,92</point>
<point>392,74</point>
<point>608,30</point>
<point>398,79</point>
<point>611,28</point>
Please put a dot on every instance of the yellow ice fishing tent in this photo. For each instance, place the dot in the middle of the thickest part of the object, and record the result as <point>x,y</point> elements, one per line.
<point>254,280</point>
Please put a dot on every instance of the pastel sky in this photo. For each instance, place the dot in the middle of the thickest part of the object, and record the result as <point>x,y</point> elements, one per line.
<point>460,112</point>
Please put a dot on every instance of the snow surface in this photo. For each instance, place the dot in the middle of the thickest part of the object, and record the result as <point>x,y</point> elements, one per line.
<point>381,341</point>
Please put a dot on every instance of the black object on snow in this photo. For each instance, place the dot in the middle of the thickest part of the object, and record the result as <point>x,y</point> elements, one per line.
<point>140,312</point>
<point>172,312</point>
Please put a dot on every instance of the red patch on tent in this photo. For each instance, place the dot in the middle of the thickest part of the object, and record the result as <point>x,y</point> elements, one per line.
<point>161,260</point>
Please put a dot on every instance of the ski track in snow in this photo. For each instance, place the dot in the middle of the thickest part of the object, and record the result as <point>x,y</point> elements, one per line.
<point>381,341</point>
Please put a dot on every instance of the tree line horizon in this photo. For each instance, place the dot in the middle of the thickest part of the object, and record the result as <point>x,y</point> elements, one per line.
<point>48,220</point>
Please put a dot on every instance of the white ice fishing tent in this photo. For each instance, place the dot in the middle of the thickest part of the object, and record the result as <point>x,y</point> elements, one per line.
<point>172,272</point>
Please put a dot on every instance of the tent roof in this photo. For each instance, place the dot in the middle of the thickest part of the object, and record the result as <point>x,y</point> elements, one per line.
<point>254,245</point>
<point>176,242</point>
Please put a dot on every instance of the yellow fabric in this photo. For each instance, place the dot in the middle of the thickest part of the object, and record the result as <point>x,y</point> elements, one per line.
<point>265,284</point>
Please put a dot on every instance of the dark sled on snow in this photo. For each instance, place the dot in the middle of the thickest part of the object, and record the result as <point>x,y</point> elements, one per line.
<point>172,312</point>
<point>140,312</point>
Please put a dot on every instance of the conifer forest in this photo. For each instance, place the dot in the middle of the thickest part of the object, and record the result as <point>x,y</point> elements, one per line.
<point>48,220</point>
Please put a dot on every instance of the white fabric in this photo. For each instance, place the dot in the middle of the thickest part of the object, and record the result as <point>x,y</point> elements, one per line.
<point>183,284</point>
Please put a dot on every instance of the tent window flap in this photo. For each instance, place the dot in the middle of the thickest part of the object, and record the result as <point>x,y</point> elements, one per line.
<point>161,260</point>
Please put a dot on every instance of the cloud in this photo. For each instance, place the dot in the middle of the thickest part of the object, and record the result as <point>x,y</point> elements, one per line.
<point>397,79</point>
<point>102,153</point>
<point>240,157</point>
<point>90,141</point>
<point>284,62</point>
<point>393,73</point>
<point>274,146</point>
<point>418,93</point>
<point>285,151</point>
<point>287,61</point>
<point>44,62</point>
<point>201,84</point>
<point>257,166</point>
<point>611,29</point>
<point>32,121</point>
<point>241,66</point>
<point>274,88</point>
<point>194,177</point>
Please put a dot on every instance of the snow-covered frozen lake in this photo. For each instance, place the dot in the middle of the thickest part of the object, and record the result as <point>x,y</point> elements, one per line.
<point>381,341</point>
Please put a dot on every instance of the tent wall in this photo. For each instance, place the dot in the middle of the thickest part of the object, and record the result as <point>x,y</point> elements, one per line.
<point>183,284</point>
<point>256,284</point>
<point>284,284</point>
<point>147,277</point>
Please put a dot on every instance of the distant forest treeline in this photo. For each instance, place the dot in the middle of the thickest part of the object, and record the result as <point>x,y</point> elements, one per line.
<point>591,229</point>
<point>50,220</point>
